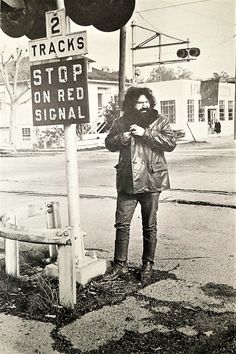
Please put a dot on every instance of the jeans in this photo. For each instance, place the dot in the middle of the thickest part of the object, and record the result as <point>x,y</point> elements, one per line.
<point>126,204</point>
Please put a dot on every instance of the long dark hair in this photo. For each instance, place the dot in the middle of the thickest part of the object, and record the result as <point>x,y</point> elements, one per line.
<point>132,95</point>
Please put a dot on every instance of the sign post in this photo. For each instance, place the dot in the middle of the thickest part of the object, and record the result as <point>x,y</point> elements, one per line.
<point>60,96</point>
<point>73,191</point>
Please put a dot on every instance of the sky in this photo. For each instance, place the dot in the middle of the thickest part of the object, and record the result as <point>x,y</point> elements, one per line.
<point>208,24</point>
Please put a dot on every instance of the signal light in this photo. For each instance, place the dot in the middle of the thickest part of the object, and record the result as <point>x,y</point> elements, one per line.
<point>25,17</point>
<point>194,52</point>
<point>38,28</point>
<point>184,53</point>
<point>105,15</point>
<point>115,15</point>
<point>15,21</point>
<point>82,12</point>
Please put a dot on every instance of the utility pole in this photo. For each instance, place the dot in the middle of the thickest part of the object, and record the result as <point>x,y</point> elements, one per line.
<point>132,46</point>
<point>122,62</point>
<point>235,102</point>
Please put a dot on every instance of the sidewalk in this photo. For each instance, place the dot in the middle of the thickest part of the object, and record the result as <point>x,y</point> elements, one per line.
<point>99,143</point>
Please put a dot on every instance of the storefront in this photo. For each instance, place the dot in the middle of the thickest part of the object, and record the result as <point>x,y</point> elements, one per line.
<point>181,102</point>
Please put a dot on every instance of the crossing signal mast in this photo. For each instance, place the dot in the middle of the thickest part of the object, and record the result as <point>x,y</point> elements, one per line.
<point>186,54</point>
<point>27,17</point>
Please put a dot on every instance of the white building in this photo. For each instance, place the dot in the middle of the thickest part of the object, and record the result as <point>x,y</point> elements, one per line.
<point>180,101</point>
<point>102,88</point>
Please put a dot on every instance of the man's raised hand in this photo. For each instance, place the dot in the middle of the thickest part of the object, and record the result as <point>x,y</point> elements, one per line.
<point>137,130</point>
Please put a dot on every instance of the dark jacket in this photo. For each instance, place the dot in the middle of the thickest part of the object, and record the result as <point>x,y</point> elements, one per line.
<point>142,164</point>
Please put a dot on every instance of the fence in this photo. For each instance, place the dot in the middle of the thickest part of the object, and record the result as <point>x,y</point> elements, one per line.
<point>59,241</point>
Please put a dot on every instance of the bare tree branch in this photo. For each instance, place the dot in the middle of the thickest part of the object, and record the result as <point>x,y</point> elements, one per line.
<point>19,54</point>
<point>22,94</point>
<point>4,72</point>
<point>25,101</point>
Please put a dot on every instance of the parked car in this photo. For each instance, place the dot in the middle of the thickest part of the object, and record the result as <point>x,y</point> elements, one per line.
<point>179,133</point>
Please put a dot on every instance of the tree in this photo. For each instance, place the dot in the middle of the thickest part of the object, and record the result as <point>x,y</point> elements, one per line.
<point>110,113</point>
<point>222,77</point>
<point>162,73</point>
<point>9,69</point>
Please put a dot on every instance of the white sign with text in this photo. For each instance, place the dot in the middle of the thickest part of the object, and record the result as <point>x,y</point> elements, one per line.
<point>58,44</point>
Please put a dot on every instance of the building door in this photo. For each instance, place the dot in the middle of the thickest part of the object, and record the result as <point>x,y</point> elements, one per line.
<point>211,114</point>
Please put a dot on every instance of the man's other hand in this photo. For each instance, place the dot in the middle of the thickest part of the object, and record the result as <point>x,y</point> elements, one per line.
<point>137,130</point>
<point>126,137</point>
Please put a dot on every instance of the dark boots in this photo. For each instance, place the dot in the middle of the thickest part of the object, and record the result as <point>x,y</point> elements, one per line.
<point>149,248</point>
<point>120,266</point>
<point>118,270</point>
<point>146,271</point>
<point>120,260</point>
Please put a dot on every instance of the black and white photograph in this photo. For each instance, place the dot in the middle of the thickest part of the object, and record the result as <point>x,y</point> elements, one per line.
<point>117,177</point>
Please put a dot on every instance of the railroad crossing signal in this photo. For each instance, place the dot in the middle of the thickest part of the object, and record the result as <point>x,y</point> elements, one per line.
<point>27,17</point>
<point>184,53</point>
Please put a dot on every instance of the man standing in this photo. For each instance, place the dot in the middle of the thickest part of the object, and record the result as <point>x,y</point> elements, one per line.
<point>141,135</point>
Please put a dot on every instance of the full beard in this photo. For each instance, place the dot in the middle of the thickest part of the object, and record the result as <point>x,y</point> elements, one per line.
<point>141,118</point>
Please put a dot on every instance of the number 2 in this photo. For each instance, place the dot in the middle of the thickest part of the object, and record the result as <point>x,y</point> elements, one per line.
<point>55,23</point>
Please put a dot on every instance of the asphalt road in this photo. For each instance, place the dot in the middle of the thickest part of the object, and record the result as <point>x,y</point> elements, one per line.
<point>206,166</point>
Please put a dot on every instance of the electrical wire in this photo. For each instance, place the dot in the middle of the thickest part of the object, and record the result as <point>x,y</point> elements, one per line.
<point>176,5</point>
<point>190,11</point>
<point>150,24</point>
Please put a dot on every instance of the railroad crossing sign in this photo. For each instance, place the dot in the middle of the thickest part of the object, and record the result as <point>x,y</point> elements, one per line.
<point>60,92</point>
<point>60,88</point>
<point>58,43</point>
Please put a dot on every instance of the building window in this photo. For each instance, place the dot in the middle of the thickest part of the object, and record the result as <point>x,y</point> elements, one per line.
<point>168,110</point>
<point>26,133</point>
<point>230,110</point>
<point>201,112</point>
<point>100,101</point>
<point>222,110</point>
<point>190,104</point>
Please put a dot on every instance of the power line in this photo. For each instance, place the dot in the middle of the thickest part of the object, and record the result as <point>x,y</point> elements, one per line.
<point>177,5</point>
<point>150,24</point>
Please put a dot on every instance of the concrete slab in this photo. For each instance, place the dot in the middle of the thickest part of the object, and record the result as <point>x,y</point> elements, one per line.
<point>91,268</point>
<point>220,270</point>
<point>189,293</point>
<point>109,323</point>
<point>20,336</point>
<point>139,314</point>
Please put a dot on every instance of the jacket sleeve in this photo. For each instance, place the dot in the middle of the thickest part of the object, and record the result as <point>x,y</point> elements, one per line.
<point>161,138</point>
<point>115,139</point>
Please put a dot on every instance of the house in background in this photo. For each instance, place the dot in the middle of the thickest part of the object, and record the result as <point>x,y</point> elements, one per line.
<point>180,101</point>
<point>102,89</point>
<point>24,133</point>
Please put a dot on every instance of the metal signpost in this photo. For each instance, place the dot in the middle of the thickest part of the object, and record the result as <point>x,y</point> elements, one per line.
<point>60,96</point>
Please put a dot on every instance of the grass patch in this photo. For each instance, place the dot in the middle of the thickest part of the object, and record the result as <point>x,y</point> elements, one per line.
<point>33,298</point>
<point>32,294</point>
